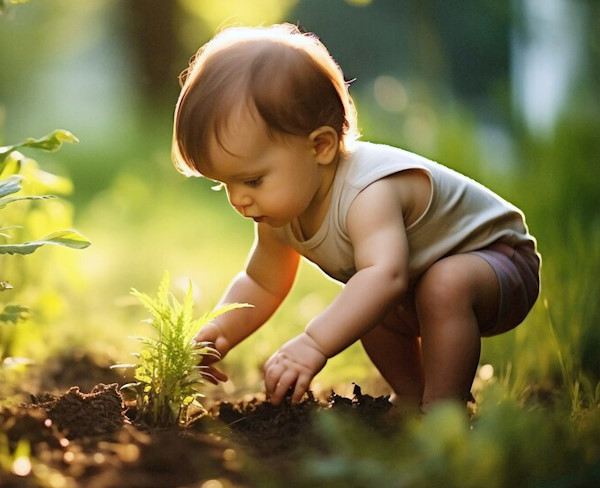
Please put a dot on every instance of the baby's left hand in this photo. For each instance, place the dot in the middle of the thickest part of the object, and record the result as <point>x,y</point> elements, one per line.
<point>293,365</point>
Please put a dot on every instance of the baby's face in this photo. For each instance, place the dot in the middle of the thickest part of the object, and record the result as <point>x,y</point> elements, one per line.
<point>270,179</point>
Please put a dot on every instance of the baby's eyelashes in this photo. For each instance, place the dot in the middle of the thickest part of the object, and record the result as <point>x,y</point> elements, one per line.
<point>254,182</point>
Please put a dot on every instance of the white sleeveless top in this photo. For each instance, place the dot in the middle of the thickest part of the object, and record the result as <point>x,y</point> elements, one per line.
<point>462,215</point>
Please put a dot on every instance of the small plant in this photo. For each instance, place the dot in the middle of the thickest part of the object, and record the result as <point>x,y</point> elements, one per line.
<point>169,372</point>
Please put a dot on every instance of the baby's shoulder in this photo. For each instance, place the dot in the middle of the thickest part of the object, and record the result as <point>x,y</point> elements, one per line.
<point>370,162</point>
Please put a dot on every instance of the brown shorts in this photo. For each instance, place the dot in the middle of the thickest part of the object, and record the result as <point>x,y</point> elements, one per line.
<point>518,272</point>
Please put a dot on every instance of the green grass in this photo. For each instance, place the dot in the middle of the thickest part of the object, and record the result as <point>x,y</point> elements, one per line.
<point>504,445</point>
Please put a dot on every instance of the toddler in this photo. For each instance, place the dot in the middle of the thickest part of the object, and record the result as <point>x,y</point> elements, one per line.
<point>430,260</point>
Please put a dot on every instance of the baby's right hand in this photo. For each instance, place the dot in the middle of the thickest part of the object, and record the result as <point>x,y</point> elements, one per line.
<point>211,333</point>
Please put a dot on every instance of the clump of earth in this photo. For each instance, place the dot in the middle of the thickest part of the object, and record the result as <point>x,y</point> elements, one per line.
<point>92,439</point>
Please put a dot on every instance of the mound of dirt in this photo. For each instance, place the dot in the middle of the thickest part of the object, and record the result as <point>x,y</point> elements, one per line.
<point>86,440</point>
<point>86,414</point>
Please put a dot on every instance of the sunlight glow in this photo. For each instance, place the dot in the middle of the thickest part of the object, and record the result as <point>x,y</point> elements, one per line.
<point>486,372</point>
<point>229,455</point>
<point>21,466</point>
<point>220,14</point>
<point>360,3</point>
<point>390,93</point>
<point>310,306</point>
<point>212,484</point>
<point>545,53</point>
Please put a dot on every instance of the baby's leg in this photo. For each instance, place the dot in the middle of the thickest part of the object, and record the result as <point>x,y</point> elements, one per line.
<point>394,348</point>
<point>454,298</point>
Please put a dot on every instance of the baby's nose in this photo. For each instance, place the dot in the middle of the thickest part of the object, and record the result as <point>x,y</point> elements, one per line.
<point>239,200</point>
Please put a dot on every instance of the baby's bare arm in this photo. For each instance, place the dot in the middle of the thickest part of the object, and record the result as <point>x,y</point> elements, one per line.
<point>376,228</point>
<point>264,283</point>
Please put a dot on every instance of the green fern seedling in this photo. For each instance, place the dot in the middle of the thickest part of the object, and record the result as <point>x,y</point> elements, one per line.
<point>169,373</point>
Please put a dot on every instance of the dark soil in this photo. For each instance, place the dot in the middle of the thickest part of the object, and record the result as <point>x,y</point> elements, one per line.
<point>93,440</point>
<point>269,431</point>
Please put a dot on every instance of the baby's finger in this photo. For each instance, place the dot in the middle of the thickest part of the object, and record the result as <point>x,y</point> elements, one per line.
<point>218,374</point>
<point>214,375</point>
<point>286,381</point>
<point>208,352</point>
<point>302,384</point>
<point>205,336</point>
<point>209,359</point>
<point>272,375</point>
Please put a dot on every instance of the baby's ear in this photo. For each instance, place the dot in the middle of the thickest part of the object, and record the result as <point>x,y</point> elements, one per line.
<point>325,144</point>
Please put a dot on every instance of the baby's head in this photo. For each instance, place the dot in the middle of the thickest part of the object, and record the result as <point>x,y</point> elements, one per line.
<point>286,77</point>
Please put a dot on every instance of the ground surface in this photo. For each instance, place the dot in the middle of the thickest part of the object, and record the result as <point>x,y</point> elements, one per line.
<point>91,439</point>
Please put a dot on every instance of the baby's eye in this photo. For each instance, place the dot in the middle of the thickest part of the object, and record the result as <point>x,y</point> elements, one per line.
<point>253,183</point>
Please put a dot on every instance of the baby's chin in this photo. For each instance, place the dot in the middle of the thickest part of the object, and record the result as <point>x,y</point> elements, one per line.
<point>276,224</point>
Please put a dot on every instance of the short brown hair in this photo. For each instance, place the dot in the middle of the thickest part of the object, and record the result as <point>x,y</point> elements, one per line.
<point>287,76</point>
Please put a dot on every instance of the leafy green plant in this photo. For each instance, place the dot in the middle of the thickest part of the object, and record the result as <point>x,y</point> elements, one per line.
<point>12,163</point>
<point>169,372</point>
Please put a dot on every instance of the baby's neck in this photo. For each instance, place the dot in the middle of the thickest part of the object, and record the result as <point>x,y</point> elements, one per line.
<point>311,220</point>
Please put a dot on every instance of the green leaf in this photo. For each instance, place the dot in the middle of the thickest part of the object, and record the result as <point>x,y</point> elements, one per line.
<point>188,307</point>
<point>142,375</point>
<point>10,185</point>
<point>3,229</point>
<point>225,308</point>
<point>163,290</point>
<point>5,201</point>
<point>13,313</point>
<point>50,142</point>
<point>67,238</point>
<point>196,402</point>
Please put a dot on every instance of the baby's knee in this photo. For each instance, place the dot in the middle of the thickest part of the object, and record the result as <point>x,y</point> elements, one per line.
<point>442,284</point>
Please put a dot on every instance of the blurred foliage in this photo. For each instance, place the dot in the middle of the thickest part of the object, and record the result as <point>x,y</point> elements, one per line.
<point>219,14</point>
<point>424,82</point>
<point>434,79</point>
<point>505,446</point>
<point>4,3</point>
<point>14,167</point>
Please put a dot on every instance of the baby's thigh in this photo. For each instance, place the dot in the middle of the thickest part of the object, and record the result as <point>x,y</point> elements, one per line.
<point>458,288</point>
